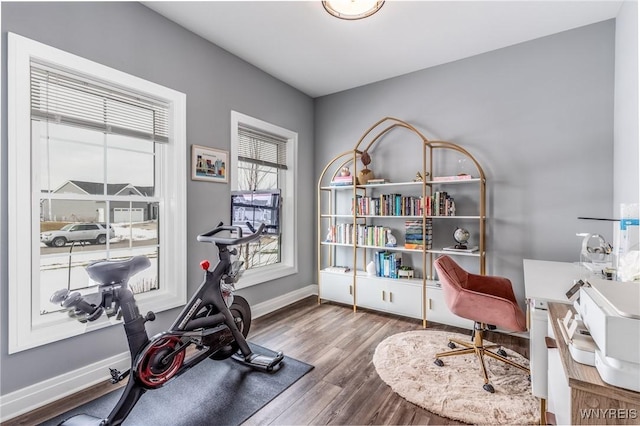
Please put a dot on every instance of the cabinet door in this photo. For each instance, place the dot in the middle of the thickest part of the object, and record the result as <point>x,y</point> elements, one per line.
<point>372,293</point>
<point>438,311</point>
<point>538,351</point>
<point>404,298</point>
<point>559,392</point>
<point>390,295</point>
<point>336,287</point>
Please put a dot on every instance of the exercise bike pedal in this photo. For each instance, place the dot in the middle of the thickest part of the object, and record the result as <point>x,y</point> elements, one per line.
<point>261,362</point>
<point>117,375</point>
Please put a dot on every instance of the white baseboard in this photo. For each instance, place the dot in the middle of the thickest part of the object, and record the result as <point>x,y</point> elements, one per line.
<point>27,399</point>
<point>35,396</point>
<point>279,302</point>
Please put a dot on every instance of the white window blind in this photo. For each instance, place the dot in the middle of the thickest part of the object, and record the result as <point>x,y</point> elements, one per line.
<point>70,99</point>
<point>257,147</point>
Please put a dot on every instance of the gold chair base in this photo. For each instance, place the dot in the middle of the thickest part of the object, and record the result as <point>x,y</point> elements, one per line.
<point>478,347</point>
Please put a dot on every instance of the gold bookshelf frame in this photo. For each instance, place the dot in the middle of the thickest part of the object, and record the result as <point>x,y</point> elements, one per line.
<point>350,158</point>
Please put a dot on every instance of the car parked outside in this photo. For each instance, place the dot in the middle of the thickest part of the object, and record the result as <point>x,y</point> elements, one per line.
<point>94,233</point>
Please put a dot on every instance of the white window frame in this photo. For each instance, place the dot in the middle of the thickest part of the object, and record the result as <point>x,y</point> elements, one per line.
<point>288,264</point>
<point>23,232</point>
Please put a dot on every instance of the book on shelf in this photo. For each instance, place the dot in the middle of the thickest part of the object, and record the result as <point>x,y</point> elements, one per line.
<point>469,249</point>
<point>340,178</point>
<point>441,204</point>
<point>389,205</point>
<point>451,178</point>
<point>371,235</point>
<point>376,181</point>
<point>341,233</point>
<point>416,245</point>
<point>387,264</point>
<point>342,181</point>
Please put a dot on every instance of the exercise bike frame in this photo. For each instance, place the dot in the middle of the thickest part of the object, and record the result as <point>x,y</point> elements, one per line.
<point>168,350</point>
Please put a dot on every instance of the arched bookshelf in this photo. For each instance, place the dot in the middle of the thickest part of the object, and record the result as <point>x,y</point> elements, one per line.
<point>355,218</point>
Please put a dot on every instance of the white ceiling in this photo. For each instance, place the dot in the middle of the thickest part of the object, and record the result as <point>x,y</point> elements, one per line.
<point>302,45</point>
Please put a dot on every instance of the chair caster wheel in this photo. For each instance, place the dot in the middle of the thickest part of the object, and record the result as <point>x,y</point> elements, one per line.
<point>488,387</point>
<point>438,362</point>
<point>451,345</point>
<point>502,352</point>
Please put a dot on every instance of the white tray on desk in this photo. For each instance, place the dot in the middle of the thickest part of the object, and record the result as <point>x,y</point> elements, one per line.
<point>581,346</point>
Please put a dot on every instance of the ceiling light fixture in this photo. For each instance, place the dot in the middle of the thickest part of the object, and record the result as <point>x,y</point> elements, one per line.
<point>352,9</point>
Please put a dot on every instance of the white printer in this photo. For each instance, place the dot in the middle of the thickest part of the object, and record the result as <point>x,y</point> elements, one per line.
<point>610,311</point>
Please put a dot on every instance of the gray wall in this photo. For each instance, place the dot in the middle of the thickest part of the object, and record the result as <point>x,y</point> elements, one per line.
<point>132,38</point>
<point>538,116</point>
<point>626,180</point>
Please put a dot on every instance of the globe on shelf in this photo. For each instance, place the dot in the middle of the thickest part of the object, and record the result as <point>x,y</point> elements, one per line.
<point>461,236</point>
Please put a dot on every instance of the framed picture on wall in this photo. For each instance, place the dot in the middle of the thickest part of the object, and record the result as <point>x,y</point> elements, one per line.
<point>209,164</point>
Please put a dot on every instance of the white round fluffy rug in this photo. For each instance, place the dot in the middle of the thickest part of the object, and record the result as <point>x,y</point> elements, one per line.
<point>405,362</point>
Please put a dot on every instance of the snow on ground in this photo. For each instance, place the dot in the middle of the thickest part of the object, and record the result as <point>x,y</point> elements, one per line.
<point>55,268</point>
<point>136,232</point>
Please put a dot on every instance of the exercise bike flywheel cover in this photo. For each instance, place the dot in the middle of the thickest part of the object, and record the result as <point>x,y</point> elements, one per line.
<point>150,370</point>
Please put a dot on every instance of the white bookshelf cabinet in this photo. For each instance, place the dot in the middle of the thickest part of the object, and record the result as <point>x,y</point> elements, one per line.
<point>395,296</point>
<point>337,287</point>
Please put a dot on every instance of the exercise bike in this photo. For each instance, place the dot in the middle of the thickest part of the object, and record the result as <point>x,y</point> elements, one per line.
<point>213,324</point>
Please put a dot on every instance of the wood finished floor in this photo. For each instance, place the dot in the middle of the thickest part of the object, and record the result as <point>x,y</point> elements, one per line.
<point>342,389</point>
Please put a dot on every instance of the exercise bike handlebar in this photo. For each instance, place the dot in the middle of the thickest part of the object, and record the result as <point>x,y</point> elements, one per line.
<point>210,237</point>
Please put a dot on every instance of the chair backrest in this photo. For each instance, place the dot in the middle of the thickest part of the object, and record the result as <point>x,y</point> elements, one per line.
<point>453,280</point>
<point>485,299</point>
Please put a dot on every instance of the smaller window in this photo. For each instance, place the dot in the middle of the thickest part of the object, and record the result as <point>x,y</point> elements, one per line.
<point>263,158</point>
<point>262,166</point>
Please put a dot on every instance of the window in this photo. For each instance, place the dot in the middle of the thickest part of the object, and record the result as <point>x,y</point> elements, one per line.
<point>263,158</point>
<point>103,177</point>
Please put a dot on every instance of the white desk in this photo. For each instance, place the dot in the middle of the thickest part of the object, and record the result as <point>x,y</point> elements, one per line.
<point>544,282</point>
<point>548,281</point>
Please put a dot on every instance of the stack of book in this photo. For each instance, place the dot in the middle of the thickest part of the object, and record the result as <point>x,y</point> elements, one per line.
<point>342,181</point>
<point>413,236</point>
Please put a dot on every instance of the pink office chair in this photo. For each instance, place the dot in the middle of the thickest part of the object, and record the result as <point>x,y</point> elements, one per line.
<point>488,301</point>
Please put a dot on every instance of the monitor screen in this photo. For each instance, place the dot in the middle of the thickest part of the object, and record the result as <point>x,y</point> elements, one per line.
<point>256,207</point>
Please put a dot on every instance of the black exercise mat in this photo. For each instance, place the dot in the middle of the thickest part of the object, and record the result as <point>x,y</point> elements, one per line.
<point>211,393</point>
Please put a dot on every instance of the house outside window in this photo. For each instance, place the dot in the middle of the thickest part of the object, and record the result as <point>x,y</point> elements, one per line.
<point>263,159</point>
<point>103,177</point>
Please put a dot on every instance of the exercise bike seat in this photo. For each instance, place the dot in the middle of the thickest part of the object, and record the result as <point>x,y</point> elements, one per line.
<point>116,271</point>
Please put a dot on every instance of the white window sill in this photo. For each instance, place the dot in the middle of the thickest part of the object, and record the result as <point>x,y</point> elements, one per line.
<point>266,273</point>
